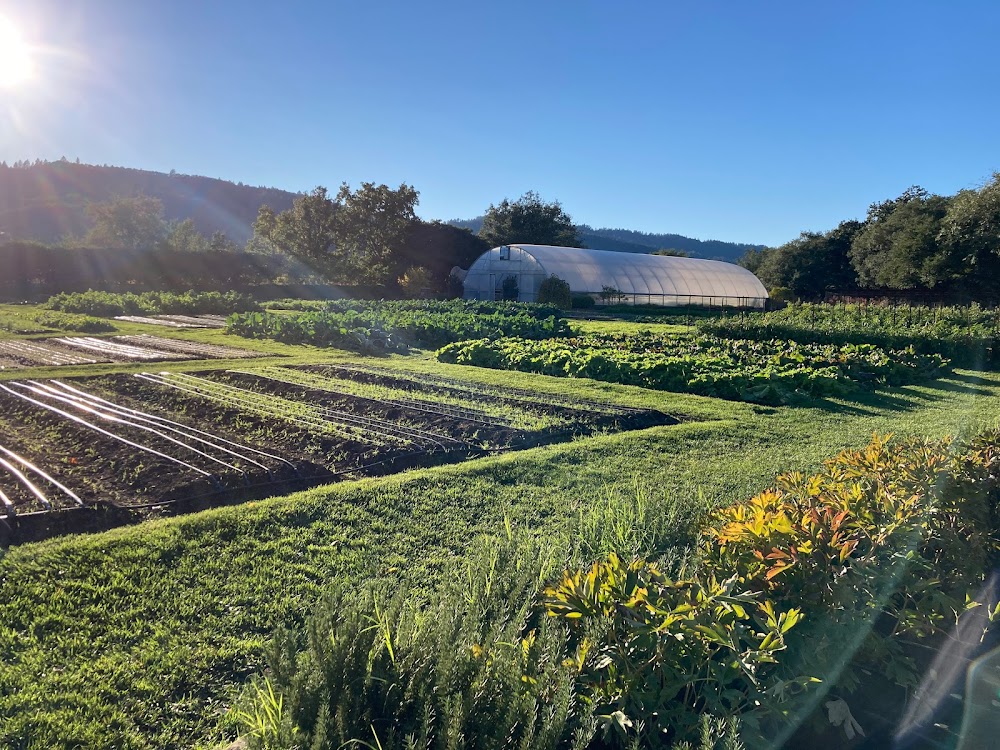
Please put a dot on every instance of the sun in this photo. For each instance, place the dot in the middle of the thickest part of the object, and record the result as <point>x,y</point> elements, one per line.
<point>16,65</point>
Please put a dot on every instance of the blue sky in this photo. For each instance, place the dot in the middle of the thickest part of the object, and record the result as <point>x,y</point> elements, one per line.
<point>728,120</point>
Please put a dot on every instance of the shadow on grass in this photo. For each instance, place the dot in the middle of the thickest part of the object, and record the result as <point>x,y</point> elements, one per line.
<point>972,385</point>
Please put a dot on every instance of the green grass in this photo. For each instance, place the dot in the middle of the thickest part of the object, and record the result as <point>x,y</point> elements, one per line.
<point>141,637</point>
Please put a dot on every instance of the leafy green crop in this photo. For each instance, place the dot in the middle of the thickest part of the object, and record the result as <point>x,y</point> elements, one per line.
<point>766,372</point>
<point>966,335</point>
<point>380,326</point>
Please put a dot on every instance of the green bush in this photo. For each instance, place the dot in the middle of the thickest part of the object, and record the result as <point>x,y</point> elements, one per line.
<point>73,322</point>
<point>583,302</point>
<point>555,291</point>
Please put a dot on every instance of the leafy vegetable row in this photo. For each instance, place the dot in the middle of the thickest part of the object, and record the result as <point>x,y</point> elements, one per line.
<point>370,327</point>
<point>966,335</point>
<point>767,372</point>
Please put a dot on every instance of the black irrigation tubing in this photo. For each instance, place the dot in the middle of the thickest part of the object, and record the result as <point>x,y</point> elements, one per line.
<point>107,415</point>
<point>150,419</point>
<point>517,394</point>
<point>166,421</point>
<point>319,412</point>
<point>27,464</point>
<point>446,410</point>
<point>101,430</point>
<point>305,420</point>
<point>409,432</point>
<point>19,475</point>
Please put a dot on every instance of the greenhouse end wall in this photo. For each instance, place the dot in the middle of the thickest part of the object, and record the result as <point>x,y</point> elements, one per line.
<point>612,277</point>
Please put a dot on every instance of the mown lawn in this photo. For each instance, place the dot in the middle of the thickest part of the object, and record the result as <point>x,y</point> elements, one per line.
<point>140,637</point>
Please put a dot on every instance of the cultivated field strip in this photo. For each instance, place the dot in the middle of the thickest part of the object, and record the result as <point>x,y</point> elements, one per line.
<point>480,390</point>
<point>9,364</point>
<point>310,416</point>
<point>177,321</point>
<point>190,448</point>
<point>191,349</point>
<point>392,396</point>
<point>26,488</point>
<point>119,350</point>
<point>33,353</point>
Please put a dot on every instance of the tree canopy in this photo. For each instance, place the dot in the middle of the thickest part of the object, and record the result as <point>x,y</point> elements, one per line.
<point>528,220</point>
<point>133,223</point>
<point>350,237</point>
<point>948,245</point>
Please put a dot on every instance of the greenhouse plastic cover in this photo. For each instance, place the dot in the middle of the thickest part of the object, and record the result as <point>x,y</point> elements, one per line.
<point>589,270</point>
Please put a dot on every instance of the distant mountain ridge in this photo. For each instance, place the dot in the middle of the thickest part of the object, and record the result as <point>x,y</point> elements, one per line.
<point>47,201</point>
<point>631,241</point>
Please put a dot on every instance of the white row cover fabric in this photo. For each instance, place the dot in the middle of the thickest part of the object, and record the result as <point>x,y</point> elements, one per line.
<point>654,279</point>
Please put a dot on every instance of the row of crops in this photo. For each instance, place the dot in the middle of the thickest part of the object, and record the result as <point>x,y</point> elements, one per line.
<point>110,304</point>
<point>766,372</point>
<point>966,335</point>
<point>147,442</point>
<point>370,327</point>
<point>85,350</point>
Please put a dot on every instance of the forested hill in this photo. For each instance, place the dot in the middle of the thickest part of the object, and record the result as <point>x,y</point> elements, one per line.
<point>630,241</point>
<point>47,200</point>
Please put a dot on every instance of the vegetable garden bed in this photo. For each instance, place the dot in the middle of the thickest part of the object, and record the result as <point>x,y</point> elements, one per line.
<point>124,447</point>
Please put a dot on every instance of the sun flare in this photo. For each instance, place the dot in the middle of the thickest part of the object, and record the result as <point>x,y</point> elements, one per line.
<point>16,65</point>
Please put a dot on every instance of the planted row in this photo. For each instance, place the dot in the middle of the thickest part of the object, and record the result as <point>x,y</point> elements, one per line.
<point>966,335</point>
<point>392,326</point>
<point>766,372</point>
<point>110,304</point>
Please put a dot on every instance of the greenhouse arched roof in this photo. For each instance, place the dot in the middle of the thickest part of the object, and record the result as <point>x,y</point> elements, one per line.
<point>588,270</point>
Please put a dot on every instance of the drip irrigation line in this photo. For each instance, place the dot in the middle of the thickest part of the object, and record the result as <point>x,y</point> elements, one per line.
<point>19,475</point>
<point>255,407</point>
<point>174,427</point>
<point>24,462</point>
<point>101,430</point>
<point>8,505</point>
<point>80,404</point>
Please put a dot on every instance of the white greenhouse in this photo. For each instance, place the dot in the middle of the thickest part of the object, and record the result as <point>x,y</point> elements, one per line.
<point>516,271</point>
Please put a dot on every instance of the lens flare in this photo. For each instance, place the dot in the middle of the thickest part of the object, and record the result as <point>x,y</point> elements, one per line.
<point>16,65</point>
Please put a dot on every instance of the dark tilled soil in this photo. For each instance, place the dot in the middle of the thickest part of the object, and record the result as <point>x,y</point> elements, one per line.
<point>120,483</point>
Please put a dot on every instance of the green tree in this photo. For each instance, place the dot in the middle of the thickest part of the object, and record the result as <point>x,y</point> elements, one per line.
<point>812,264</point>
<point>350,237</point>
<point>134,223</point>
<point>529,220</point>
<point>672,252</point>
<point>415,282</point>
<point>307,231</point>
<point>185,238</point>
<point>899,249</point>
<point>372,225</point>
<point>971,233</point>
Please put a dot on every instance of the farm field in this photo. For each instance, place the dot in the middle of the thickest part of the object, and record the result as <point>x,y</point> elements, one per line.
<point>143,636</point>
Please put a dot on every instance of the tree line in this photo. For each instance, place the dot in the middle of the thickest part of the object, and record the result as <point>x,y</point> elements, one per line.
<point>918,244</point>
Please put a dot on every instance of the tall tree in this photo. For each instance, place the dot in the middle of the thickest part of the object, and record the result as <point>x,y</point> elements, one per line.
<point>529,220</point>
<point>372,226</point>
<point>134,223</point>
<point>898,248</point>
<point>184,237</point>
<point>810,265</point>
<point>307,231</point>
<point>351,237</point>
<point>971,233</point>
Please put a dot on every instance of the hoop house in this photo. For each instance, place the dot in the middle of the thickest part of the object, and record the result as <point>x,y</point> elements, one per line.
<point>516,271</point>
